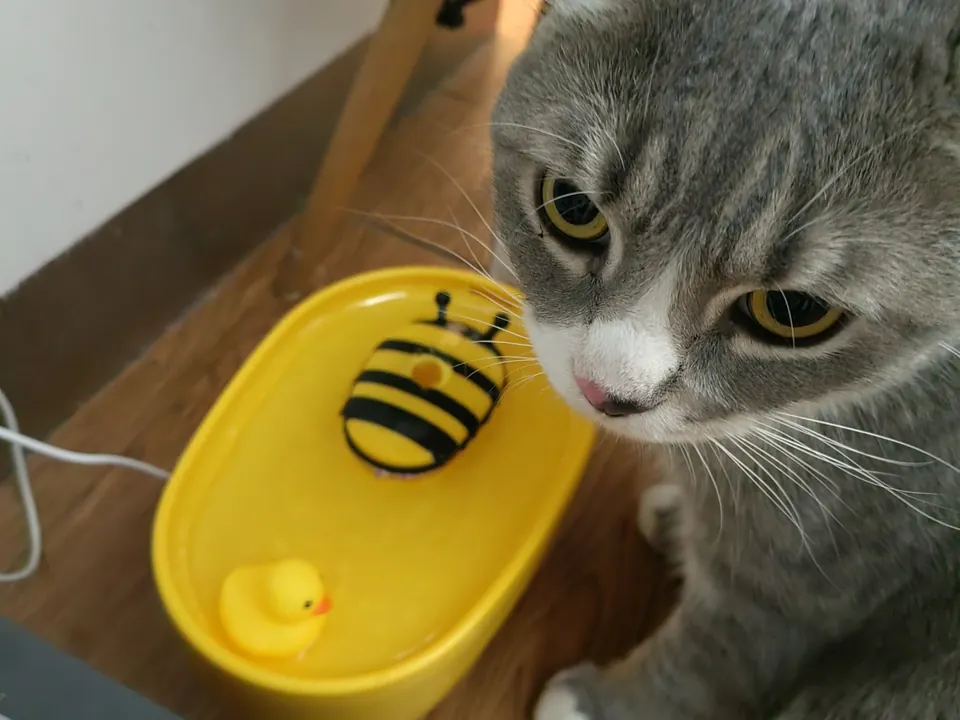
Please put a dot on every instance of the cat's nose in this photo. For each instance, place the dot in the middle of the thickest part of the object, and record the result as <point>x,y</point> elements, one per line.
<point>606,403</point>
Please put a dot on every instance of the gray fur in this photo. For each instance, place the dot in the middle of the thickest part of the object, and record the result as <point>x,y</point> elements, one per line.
<point>802,144</point>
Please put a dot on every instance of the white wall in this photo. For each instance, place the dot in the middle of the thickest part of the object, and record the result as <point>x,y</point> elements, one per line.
<point>100,100</point>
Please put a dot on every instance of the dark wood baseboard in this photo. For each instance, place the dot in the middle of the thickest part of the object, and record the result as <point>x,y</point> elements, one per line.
<point>71,327</point>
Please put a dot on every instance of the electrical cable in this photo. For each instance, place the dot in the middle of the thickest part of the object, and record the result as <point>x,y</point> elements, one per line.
<point>18,442</point>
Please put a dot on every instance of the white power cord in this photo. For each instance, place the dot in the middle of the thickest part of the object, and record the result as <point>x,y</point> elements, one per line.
<point>11,434</point>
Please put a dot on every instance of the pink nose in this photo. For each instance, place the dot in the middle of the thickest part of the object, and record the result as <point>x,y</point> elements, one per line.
<point>607,403</point>
<point>594,394</point>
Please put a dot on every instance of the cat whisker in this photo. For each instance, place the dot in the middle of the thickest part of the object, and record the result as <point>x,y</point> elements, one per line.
<point>508,344</point>
<point>512,388</point>
<point>485,323</point>
<point>463,237</point>
<point>759,483</point>
<point>490,251</point>
<point>804,537</point>
<point>841,446</point>
<point>774,442</point>
<point>462,130</point>
<point>800,482</point>
<point>733,487</point>
<point>526,380</point>
<point>836,177</point>
<point>494,362</point>
<point>518,386</point>
<point>842,460</point>
<point>464,193</point>
<point>616,146</point>
<point>479,370</point>
<point>545,388</point>
<point>515,364</point>
<point>499,304</point>
<point>716,488</point>
<point>786,304</point>
<point>502,360</point>
<point>525,367</point>
<point>796,231</point>
<point>851,468</point>
<point>898,494</point>
<point>782,494</point>
<point>510,312</point>
<point>531,128</point>
<point>949,348</point>
<point>391,221</point>
<point>516,383</point>
<point>686,458</point>
<point>794,476</point>
<point>784,503</point>
<point>542,205</point>
<point>876,436</point>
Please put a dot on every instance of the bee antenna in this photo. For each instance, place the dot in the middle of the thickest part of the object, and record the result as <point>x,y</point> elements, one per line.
<point>500,322</point>
<point>443,300</point>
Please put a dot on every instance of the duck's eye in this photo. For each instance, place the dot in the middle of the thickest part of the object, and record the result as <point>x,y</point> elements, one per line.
<point>569,213</point>
<point>308,604</point>
<point>787,316</point>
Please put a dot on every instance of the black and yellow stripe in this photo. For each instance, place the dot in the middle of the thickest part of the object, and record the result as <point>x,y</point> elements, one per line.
<point>424,393</point>
<point>402,427</point>
<point>445,403</point>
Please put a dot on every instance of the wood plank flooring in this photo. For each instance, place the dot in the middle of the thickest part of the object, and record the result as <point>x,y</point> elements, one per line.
<point>599,591</point>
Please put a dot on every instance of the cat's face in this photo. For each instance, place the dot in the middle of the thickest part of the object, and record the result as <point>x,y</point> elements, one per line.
<point>717,214</point>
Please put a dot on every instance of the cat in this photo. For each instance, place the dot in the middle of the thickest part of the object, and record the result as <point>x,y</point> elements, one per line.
<point>736,224</point>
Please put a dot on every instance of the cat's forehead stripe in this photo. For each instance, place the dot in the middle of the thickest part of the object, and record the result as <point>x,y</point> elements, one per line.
<point>755,212</point>
<point>647,185</point>
<point>627,148</point>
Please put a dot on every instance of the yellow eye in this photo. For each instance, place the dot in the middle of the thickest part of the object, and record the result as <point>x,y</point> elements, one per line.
<point>569,213</point>
<point>789,316</point>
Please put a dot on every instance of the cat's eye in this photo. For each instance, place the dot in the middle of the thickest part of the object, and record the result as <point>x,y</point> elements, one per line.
<point>569,213</point>
<point>788,316</point>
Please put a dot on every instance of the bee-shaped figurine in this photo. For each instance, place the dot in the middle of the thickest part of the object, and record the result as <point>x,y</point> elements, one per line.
<point>425,393</point>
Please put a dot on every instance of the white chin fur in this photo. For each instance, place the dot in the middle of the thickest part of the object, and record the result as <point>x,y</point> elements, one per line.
<point>629,357</point>
<point>552,345</point>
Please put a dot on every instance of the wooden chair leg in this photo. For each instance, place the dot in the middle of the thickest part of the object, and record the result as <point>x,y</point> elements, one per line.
<point>389,62</point>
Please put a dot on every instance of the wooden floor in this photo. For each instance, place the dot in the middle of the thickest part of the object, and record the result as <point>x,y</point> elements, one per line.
<point>599,591</point>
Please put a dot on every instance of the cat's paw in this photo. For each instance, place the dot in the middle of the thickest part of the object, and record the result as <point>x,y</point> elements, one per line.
<point>660,515</point>
<point>559,703</point>
<point>571,695</point>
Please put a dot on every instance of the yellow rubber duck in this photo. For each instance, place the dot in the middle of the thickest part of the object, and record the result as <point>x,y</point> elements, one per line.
<point>275,610</point>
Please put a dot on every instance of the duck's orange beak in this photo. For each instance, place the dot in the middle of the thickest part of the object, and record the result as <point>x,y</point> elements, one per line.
<point>323,607</point>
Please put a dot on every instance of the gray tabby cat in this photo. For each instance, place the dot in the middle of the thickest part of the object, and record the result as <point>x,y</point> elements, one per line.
<point>737,225</point>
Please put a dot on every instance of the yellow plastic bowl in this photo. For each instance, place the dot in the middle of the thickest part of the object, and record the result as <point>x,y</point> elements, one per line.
<point>421,572</point>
